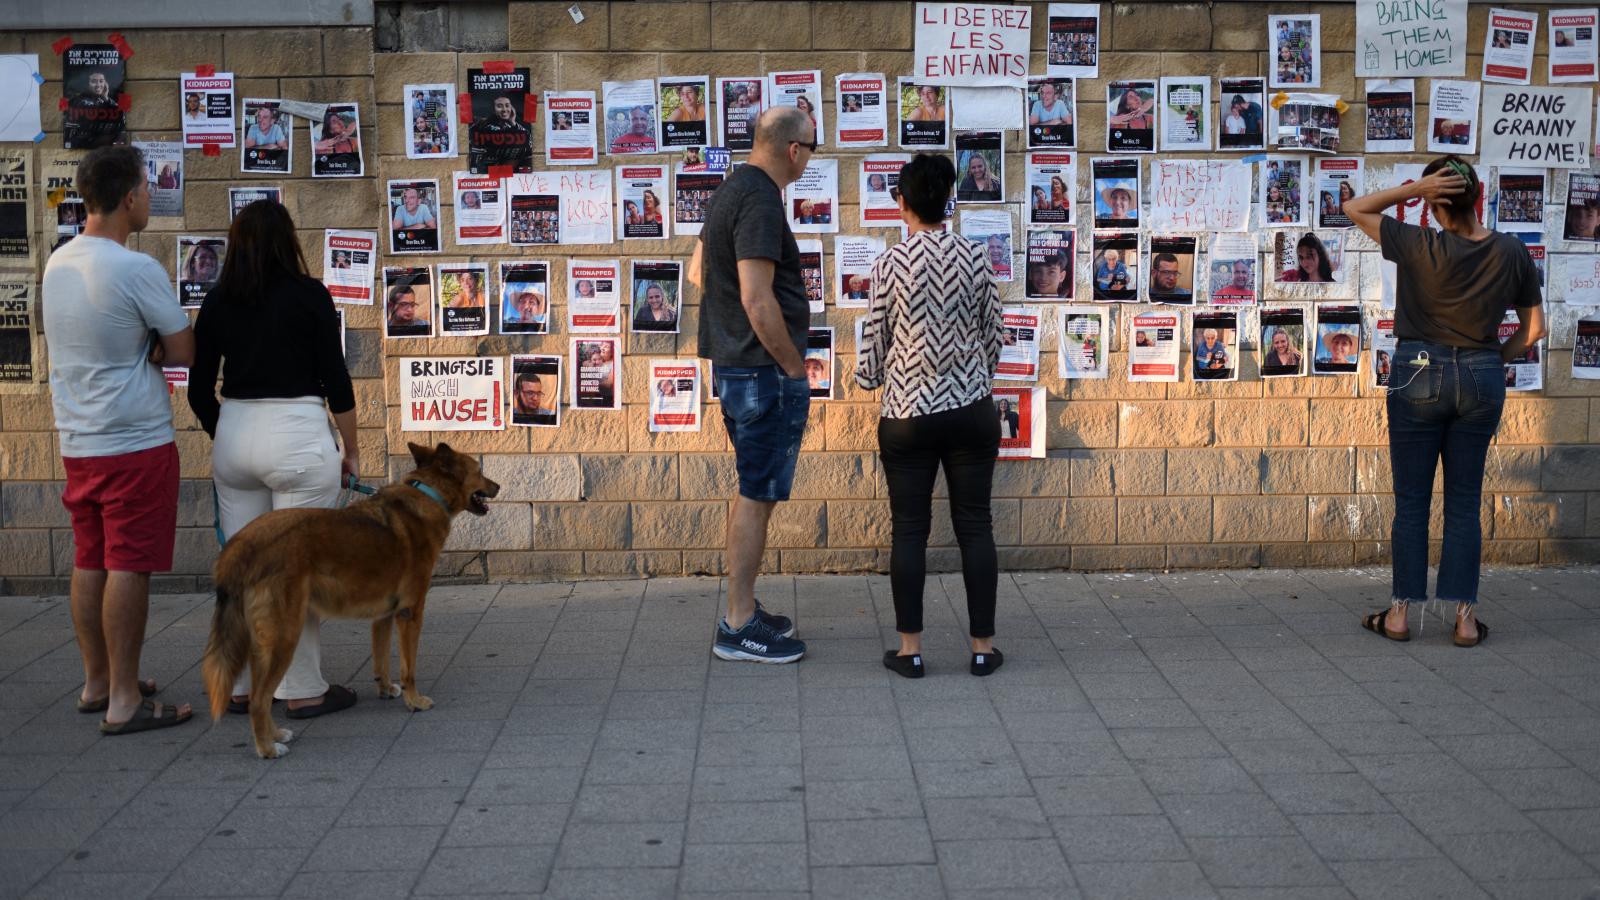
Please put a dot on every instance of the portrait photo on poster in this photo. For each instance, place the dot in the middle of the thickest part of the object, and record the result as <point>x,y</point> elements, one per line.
<point>1339,180</point>
<point>1282,191</point>
<point>993,229</point>
<point>199,265</point>
<point>535,391</point>
<point>811,275</point>
<point>741,103</point>
<point>524,297</point>
<point>1338,348</point>
<point>479,210</point>
<point>1283,341</point>
<point>206,112</point>
<point>463,298</point>
<point>1581,216</point>
<point>347,265</point>
<point>1154,345</point>
<point>819,362</point>
<point>853,259</point>
<point>630,109</point>
<point>1242,104</point>
<point>1072,40</point>
<point>1052,188</point>
<point>924,115</point>
<point>268,143</point>
<point>1115,187</point>
<point>596,373</point>
<point>657,295</point>
<point>1391,116</point>
<point>1052,253</point>
<point>1052,113</point>
<point>1131,117</point>
<point>1114,268</point>
<point>1214,339</point>
<point>674,395</point>
<point>407,302</point>
<point>593,301</point>
<point>684,102</point>
<point>569,128</point>
<point>813,199</point>
<point>499,134</point>
<point>336,143</point>
<point>1171,269</point>
<point>640,193</point>
<point>414,216</point>
<point>1519,198</point>
<point>1081,339</point>
<point>863,119</point>
<point>163,162</point>
<point>1308,257</point>
<point>1185,113</point>
<point>430,111</point>
<point>1294,51</point>
<point>92,81</point>
<point>1233,262</point>
<point>801,90</point>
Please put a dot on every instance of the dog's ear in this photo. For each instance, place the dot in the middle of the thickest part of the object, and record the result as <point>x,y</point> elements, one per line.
<point>422,455</point>
<point>443,450</point>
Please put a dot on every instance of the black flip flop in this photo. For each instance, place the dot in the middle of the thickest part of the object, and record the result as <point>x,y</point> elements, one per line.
<point>1375,624</point>
<point>146,719</point>
<point>1483,635</point>
<point>147,688</point>
<point>337,698</point>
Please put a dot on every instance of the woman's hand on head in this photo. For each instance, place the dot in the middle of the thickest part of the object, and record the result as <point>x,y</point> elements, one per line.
<point>1441,184</point>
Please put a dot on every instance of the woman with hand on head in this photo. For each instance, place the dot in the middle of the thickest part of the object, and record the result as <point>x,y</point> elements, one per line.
<point>1447,377</point>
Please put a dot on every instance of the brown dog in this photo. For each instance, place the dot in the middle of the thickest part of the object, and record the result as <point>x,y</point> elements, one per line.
<point>371,560</point>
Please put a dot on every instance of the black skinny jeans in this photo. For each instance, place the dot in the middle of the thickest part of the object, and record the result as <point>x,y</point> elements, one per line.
<point>965,442</point>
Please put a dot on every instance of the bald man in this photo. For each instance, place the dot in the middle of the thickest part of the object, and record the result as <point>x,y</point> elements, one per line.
<point>754,319</point>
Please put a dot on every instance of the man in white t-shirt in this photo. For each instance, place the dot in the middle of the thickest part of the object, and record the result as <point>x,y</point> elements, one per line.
<point>111,319</point>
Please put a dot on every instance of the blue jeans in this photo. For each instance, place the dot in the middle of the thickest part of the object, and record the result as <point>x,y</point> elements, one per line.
<point>1446,410</point>
<point>765,413</point>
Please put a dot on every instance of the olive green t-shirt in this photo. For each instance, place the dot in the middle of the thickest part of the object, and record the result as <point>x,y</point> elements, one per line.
<point>1454,291</point>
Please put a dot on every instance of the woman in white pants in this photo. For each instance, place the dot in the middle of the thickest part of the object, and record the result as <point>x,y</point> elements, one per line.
<point>272,331</point>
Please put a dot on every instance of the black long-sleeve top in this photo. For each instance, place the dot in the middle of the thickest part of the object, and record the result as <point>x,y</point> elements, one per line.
<point>284,345</point>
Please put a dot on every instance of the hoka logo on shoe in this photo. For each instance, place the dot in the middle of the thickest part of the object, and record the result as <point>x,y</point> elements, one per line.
<point>759,648</point>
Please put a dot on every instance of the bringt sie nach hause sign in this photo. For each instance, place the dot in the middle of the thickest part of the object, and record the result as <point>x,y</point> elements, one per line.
<point>973,44</point>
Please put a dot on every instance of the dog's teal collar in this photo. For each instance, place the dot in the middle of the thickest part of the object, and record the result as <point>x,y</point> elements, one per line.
<point>437,497</point>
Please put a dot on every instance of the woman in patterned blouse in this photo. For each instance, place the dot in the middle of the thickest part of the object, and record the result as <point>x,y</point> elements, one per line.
<point>932,341</point>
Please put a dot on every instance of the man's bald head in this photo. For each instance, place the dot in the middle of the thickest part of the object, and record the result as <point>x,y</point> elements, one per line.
<point>780,125</point>
<point>778,151</point>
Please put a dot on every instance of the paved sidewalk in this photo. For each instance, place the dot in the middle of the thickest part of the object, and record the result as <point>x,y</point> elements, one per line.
<point>1187,735</point>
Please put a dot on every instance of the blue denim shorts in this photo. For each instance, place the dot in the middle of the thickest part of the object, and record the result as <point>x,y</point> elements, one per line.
<point>765,413</point>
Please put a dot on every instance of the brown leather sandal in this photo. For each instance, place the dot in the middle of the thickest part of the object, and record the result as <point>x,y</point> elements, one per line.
<point>1483,635</point>
<point>1376,624</point>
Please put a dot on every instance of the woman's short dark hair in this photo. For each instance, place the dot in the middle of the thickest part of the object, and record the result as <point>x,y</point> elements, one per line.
<point>1464,205</point>
<point>108,174</point>
<point>926,182</point>
<point>262,248</point>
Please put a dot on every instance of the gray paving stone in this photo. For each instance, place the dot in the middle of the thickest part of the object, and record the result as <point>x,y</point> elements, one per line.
<point>1260,862</point>
<point>1371,836</point>
<point>782,822</point>
<point>1087,839</point>
<point>1167,743</point>
<point>862,799</point>
<point>998,818</point>
<point>1439,813</point>
<point>972,778</point>
<point>1424,879</point>
<point>61,884</point>
<point>1092,795</point>
<point>910,882</point>
<point>374,848</point>
<point>380,806</point>
<point>351,885</point>
<point>1003,864</point>
<point>612,884</point>
<point>133,850</point>
<point>1323,793</point>
<point>782,867</point>
<point>508,825</point>
<point>1515,856</point>
<point>1579,829</point>
<point>620,845</point>
<point>454,871</point>
<point>1139,880</point>
<point>869,842</point>
<point>232,873</point>
<point>501,786</point>
<point>1204,775</point>
<point>1225,815</point>
<point>252,825</point>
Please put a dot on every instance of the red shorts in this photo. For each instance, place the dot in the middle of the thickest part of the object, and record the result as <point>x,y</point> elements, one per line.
<point>124,509</point>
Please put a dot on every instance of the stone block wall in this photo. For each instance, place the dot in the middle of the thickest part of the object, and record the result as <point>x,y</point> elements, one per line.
<point>1253,473</point>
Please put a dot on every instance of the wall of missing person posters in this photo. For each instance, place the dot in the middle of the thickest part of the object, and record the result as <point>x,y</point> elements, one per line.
<point>1197,341</point>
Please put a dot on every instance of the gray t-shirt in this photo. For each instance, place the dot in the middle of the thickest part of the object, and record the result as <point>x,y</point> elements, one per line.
<point>1454,291</point>
<point>745,220</point>
<point>100,302</point>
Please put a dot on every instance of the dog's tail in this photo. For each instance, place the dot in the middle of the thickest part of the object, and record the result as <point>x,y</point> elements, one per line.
<point>228,649</point>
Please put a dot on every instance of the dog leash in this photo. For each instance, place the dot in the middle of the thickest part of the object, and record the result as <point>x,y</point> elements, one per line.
<point>348,488</point>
